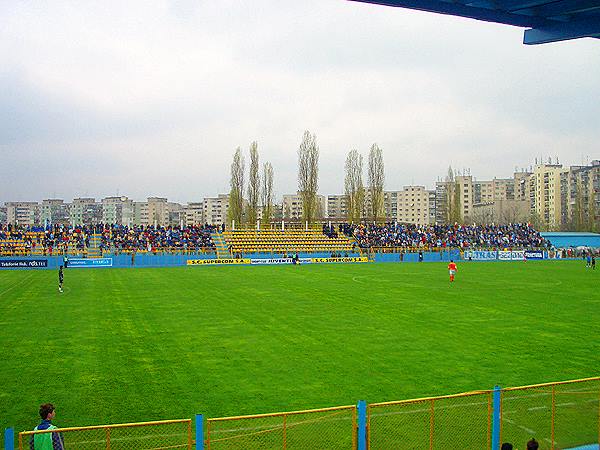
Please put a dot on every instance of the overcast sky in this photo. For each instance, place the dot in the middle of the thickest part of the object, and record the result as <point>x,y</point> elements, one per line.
<point>151,98</point>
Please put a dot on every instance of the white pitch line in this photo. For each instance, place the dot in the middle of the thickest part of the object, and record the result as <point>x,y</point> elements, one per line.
<point>16,285</point>
<point>528,430</point>
<point>537,408</point>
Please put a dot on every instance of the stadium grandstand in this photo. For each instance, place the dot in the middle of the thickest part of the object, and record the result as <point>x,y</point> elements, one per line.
<point>339,239</point>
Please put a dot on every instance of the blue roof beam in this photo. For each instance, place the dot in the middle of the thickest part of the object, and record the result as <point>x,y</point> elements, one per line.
<point>563,8</point>
<point>562,31</point>
<point>459,9</point>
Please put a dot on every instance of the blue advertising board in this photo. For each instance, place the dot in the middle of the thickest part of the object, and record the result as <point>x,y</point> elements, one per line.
<point>534,254</point>
<point>23,263</point>
<point>90,262</point>
<point>481,255</point>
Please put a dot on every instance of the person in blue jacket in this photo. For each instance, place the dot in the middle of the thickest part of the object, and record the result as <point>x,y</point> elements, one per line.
<point>46,441</point>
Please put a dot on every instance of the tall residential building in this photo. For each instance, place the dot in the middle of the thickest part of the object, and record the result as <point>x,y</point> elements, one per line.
<point>337,207</point>
<point>3,216</point>
<point>464,188</point>
<point>158,211</point>
<point>176,214</point>
<point>194,214</point>
<point>54,211</point>
<point>117,210</point>
<point>23,213</point>
<point>293,207</point>
<point>545,194</point>
<point>139,213</point>
<point>580,197</point>
<point>413,204</point>
<point>521,186</point>
<point>215,209</point>
<point>85,211</point>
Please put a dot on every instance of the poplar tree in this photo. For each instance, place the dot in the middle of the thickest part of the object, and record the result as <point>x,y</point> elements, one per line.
<point>236,192</point>
<point>253,185</point>
<point>308,175</point>
<point>267,192</point>
<point>353,186</point>
<point>376,183</point>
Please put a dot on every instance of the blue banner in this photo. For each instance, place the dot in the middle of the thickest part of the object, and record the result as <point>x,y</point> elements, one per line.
<point>91,262</point>
<point>480,255</point>
<point>23,263</point>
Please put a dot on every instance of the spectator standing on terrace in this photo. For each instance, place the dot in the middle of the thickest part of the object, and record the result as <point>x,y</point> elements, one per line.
<point>46,441</point>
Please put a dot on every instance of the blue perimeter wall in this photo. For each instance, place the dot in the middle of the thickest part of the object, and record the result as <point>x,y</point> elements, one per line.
<point>124,261</point>
<point>565,240</point>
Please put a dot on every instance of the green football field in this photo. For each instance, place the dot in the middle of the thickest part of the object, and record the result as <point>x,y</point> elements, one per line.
<point>127,345</point>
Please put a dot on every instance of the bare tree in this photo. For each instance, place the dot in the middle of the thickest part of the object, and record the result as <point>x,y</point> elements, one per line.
<point>308,175</point>
<point>253,185</point>
<point>453,210</point>
<point>267,193</point>
<point>592,210</point>
<point>353,186</point>
<point>580,219</point>
<point>376,182</point>
<point>236,193</point>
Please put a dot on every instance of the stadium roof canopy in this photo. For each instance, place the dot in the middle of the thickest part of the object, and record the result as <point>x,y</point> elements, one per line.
<point>548,21</point>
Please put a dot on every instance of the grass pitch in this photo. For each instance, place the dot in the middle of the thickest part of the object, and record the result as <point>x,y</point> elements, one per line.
<point>126,345</point>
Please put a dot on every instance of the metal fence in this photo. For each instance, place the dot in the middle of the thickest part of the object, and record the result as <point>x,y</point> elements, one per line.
<point>562,415</point>
<point>454,421</point>
<point>558,415</point>
<point>166,434</point>
<point>328,428</point>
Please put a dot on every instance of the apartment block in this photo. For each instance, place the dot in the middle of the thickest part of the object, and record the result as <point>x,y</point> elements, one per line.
<point>545,194</point>
<point>337,207</point>
<point>293,207</point>
<point>413,204</point>
<point>215,209</point>
<point>580,197</point>
<point>85,211</point>
<point>23,213</point>
<point>117,210</point>
<point>54,211</point>
<point>194,213</point>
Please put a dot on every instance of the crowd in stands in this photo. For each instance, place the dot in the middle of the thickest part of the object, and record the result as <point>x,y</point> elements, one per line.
<point>445,236</point>
<point>123,238</point>
<point>329,231</point>
<point>59,239</point>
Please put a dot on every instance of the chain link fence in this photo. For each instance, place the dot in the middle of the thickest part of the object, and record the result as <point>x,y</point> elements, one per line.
<point>558,415</point>
<point>166,434</point>
<point>329,428</point>
<point>454,421</point>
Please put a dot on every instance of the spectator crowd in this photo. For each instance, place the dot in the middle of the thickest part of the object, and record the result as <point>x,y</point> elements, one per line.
<point>121,238</point>
<point>445,236</point>
<point>59,239</point>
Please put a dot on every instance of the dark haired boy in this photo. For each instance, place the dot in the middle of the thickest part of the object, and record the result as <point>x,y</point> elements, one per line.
<point>46,441</point>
